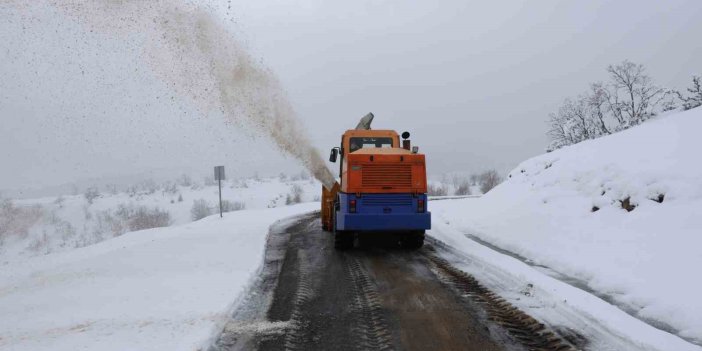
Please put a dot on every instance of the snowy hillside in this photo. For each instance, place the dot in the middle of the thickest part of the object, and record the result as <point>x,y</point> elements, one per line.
<point>32,227</point>
<point>619,216</point>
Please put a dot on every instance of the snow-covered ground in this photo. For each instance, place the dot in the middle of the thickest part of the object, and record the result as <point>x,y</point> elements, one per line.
<point>554,238</point>
<point>563,212</point>
<point>53,224</point>
<point>157,289</point>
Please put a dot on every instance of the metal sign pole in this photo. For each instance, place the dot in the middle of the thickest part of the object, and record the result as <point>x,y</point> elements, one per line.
<point>219,176</point>
<point>220,198</point>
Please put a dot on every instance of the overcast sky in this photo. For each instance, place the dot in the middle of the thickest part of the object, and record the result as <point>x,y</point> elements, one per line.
<point>473,81</point>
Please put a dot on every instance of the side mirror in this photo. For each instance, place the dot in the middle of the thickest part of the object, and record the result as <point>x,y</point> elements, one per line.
<point>334,153</point>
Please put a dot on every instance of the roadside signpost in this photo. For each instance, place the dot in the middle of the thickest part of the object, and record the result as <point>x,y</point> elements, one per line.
<point>219,176</point>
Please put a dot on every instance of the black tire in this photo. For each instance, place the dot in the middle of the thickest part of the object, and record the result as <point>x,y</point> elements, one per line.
<point>342,240</point>
<point>413,241</point>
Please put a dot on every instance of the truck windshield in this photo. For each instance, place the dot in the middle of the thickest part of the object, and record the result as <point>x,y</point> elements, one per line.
<point>366,142</point>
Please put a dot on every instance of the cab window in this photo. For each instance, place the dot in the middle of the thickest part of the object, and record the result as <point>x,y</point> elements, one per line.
<point>356,143</point>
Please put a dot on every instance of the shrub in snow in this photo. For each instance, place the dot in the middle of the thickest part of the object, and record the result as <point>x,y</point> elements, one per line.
<point>489,180</point>
<point>185,181</point>
<point>170,188</point>
<point>463,189</point>
<point>148,186</point>
<point>132,191</point>
<point>295,196</point>
<point>15,220</point>
<point>694,98</point>
<point>112,189</point>
<point>42,242</point>
<point>230,206</point>
<point>145,218</point>
<point>209,181</point>
<point>200,210</point>
<point>180,197</point>
<point>59,201</point>
<point>86,212</point>
<point>91,194</point>
<point>436,190</point>
<point>127,218</point>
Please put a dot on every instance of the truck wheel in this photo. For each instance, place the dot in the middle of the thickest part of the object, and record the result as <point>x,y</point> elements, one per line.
<point>413,241</point>
<point>343,240</point>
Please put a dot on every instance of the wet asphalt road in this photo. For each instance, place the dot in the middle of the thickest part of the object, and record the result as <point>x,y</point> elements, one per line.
<point>377,297</point>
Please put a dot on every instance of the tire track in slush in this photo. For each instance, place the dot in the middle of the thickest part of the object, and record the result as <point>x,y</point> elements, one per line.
<point>527,330</point>
<point>370,327</point>
<point>294,338</point>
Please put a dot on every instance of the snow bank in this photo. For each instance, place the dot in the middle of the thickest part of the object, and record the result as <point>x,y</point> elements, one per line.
<point>158,289</point>
<point>564,210</point>
<point>571,311</point>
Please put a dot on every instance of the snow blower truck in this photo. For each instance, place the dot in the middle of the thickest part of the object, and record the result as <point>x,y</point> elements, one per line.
<point>383,190</point>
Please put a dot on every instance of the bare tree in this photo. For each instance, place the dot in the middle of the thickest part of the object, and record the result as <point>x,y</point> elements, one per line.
<point>558,132</point>
<point>489,180</point>
<point>596,103</point>
<point>632,94</point>
<point>627,100</point>
<point>695,97</point>
<point>570,125</point>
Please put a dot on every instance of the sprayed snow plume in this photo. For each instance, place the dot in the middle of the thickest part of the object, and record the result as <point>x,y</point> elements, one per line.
<point>195,54</point>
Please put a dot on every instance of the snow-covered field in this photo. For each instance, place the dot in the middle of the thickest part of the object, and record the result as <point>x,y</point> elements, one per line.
<point>74,274</point>
<point>157,289</point>
<point>564,212</point>
<point>32,227</point>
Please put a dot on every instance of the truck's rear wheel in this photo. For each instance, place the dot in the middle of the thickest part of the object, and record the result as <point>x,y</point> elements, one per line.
<point>343,240</point>
<point>413,241</point>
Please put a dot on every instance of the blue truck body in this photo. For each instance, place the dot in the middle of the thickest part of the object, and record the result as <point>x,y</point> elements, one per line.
<point>383,212</point>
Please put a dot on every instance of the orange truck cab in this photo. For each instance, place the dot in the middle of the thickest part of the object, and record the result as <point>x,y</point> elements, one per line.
<point>383,189</point>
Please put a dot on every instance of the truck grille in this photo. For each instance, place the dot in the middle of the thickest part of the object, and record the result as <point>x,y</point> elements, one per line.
<point>386,200</point>
<point>386,176</point>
